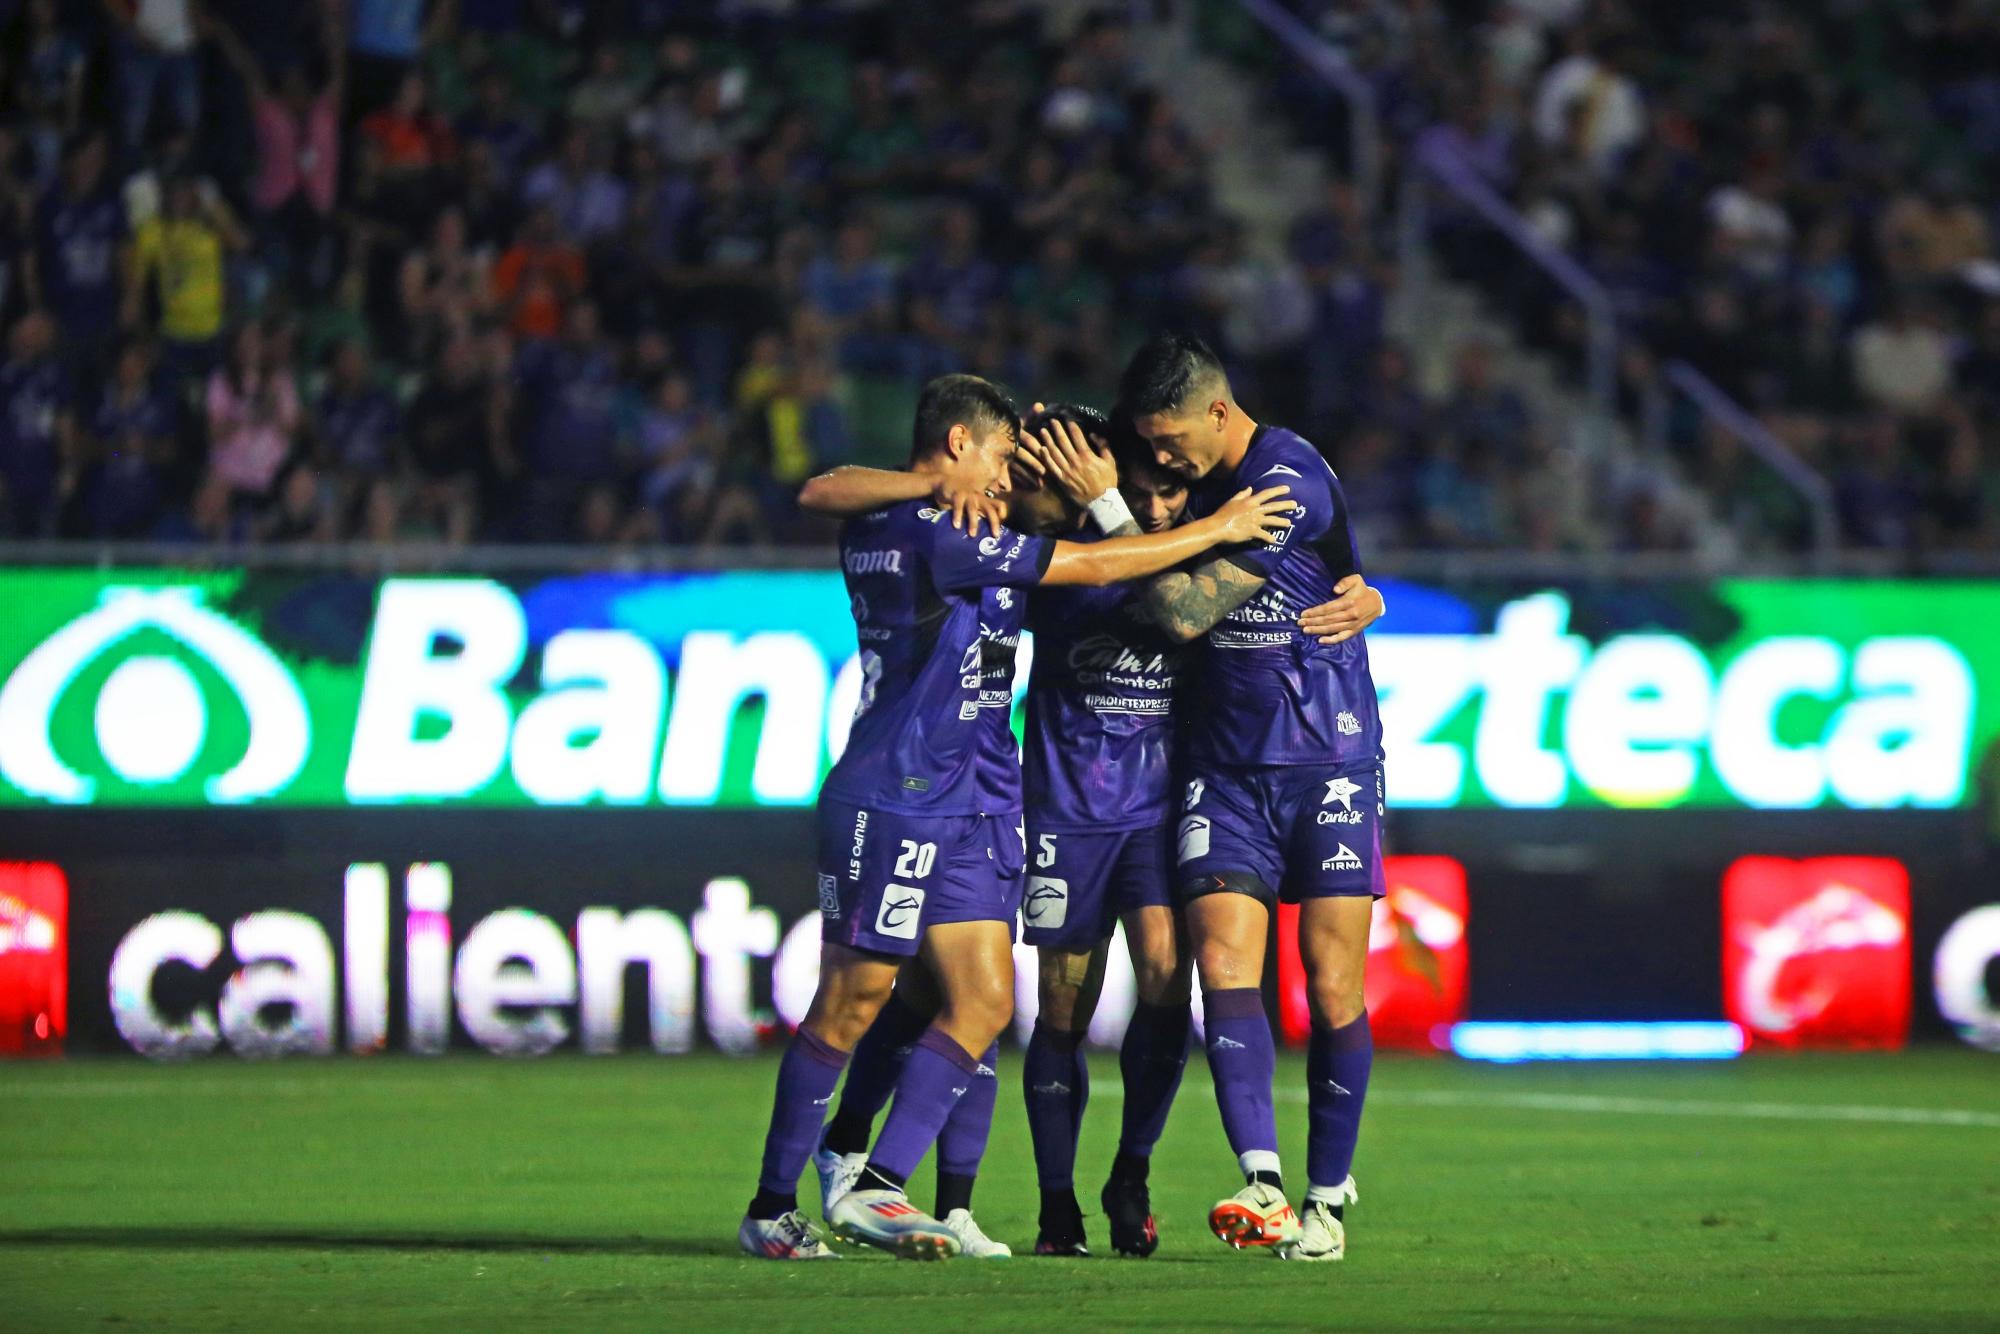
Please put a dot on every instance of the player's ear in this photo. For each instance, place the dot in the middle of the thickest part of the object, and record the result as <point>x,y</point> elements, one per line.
<point>957,440</point>
<point>1218,413</point>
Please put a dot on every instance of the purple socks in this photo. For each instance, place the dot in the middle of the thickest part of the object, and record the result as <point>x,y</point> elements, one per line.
<point>1243,1059</point>
<point>806,1080</point>
<point>937,1074</point>
<point>1150,1062</point>
<point>1056,1083</point>
<point>872,1074</point>
<point>1337,1065</point>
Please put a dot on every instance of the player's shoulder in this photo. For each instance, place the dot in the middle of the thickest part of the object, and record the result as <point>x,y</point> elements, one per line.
<point>1280,456</point>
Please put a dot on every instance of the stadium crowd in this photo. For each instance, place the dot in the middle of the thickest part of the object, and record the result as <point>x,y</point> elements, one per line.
<point>629,271</point>
<point>1797,199</point>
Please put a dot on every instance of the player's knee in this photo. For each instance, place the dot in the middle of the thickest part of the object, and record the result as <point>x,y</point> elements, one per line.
<point>1160,975</point>
<point>979,1012</point>
<point>1336,997</point>
<point>1225,968</point>
<point>1060,1006</point>
<point>845,1006</point>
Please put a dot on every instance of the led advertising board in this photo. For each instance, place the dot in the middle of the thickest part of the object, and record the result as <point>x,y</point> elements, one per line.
<point>736,689</point>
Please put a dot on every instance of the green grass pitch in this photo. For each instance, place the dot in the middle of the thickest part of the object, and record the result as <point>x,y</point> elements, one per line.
<point>582,1194</point>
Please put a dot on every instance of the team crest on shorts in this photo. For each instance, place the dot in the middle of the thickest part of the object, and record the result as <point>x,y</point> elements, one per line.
<point>901,911</point>
<point>1046,903</point>
<point>1346,723</point>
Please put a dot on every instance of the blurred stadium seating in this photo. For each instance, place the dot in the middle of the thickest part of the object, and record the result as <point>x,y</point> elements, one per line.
<point>625,273</point>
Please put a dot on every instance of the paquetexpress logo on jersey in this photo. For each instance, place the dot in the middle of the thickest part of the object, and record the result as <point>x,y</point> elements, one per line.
<point>150,719</point>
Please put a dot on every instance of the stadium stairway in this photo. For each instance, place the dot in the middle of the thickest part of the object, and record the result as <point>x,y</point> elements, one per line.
<point>1265,180</point>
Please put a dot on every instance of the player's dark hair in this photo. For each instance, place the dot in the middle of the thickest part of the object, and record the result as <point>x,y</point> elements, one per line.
<point>1129,449</point>
<point>1165,371</point>
<point>1091,421</point>
<point>960,400</point>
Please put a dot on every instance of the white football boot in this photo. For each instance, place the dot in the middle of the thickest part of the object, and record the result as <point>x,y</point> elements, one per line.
<point>973,1243</point>
<point>887,1220</point>
<point>837,1174</point>
<point>1321,1235</point>
<point>1257,1215</point>
<point>786,1237</point>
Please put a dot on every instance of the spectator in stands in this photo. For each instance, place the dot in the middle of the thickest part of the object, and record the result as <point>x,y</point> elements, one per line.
<point>1930,233</point>
<point>177,259</point>
<point>451,441</point>
<point>253,417</point>
<point>1903,362</point>
<point>38,445</point>
<point>1878,491</point>
<point>79,231</point>
<point>356,421</point>
<point>1488,418</point>
<point>588,201</point>
<point>153,49</point>
<point>538,277</point>
<point>48,88</point>
<point>134,448</point>
<point>386,39</point>
<point>1588,95</point>
<point>495,121</point>
<point>570,390</point>
<point>297,128</point>
<point>307,508</point>
<point>443,290</point>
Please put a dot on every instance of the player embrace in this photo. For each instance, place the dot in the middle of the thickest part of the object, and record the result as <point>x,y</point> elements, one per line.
<point>921,846</point>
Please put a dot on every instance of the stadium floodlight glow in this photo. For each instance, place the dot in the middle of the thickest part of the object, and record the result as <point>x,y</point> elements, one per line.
<point>1676,1040</point>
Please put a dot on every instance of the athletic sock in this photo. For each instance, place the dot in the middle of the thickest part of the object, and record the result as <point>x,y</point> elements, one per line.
<point>1337,1064</point>
<point>768,1204</point>
<point>938,1073</point>
<point>954,1191</point>
<point>806,1079</point>
<point>1129,1169</point>
<point>872,1074</point>
<point>962,1142</point>
<point>1242,1059</point>
<point>1055,1080</point>
<point>1150,1062</point>
<point>878,1178</point>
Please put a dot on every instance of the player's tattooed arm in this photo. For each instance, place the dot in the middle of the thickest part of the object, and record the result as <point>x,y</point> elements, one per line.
<point>846,491</point>
<point>1187,604</point>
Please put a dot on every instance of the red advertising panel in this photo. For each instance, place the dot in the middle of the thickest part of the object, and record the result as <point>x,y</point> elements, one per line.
<point>34,958</point>
<point>1816,953</point>
<point>1416,956</point>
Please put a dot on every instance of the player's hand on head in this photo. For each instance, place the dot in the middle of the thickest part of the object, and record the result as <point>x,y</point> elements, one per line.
<point>1256,516</point>
<point>1082,472</point>
<point>1355,606</point>
<point>971,509</point>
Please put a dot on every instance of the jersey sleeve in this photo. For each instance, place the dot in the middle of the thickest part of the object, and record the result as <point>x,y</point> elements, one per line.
<point>1318,505</point>
<point>1002,558</point>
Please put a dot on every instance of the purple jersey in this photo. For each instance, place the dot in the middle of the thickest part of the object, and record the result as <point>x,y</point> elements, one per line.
<point>1271,694</point>
<point>1100,699</point>
<point>930,734</point>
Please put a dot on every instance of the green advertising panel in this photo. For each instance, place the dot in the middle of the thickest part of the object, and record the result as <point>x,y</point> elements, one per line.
<point>736,688</point>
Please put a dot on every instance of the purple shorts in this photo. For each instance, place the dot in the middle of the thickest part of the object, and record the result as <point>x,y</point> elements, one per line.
<point>1281,832</point>
<point>885,877</point>
<point>1080,882</point>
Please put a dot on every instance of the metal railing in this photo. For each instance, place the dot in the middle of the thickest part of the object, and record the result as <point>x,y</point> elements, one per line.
<point>1364,127</point>
<point>1727,415</point>
<point>1434,162</point>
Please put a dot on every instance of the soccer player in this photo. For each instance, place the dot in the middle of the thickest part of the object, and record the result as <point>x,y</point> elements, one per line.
<point>1283,792</point>
<point>920,838</point>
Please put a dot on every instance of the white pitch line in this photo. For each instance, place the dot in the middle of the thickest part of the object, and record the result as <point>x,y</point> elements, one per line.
<point>1575,1103</point>
<point>1593,1105</point>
